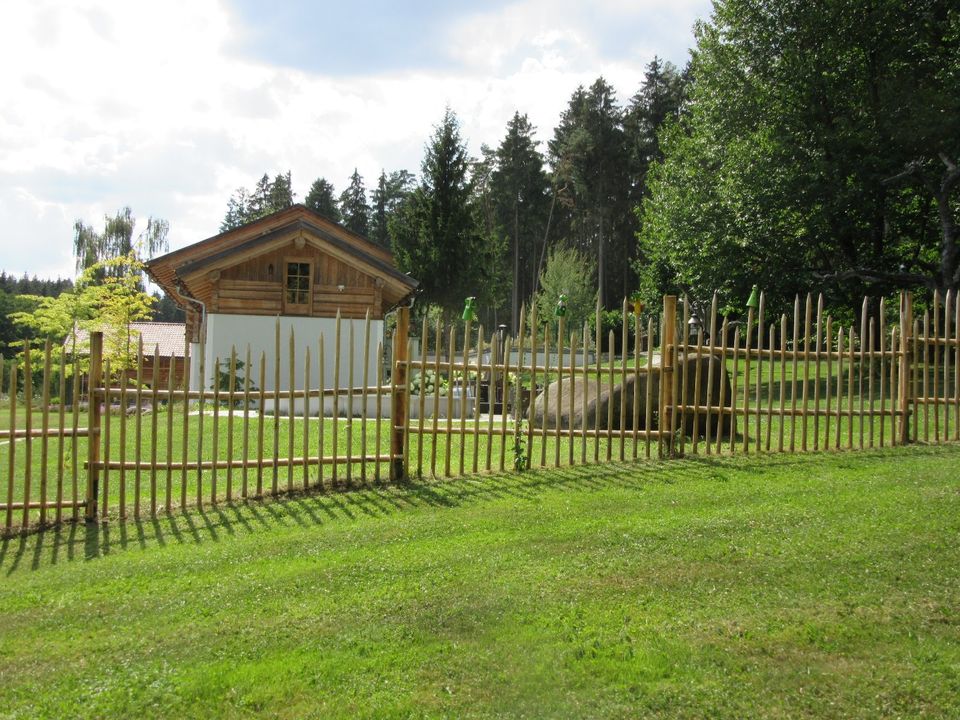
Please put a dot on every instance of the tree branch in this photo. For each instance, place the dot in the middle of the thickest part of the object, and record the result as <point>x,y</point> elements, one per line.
<point>910,171</point>
<point>899,279</point>
<point>951,176</point>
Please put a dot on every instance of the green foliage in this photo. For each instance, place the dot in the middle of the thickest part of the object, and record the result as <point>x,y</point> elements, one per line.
<point>239,381</point>
<point>27,285</point>
<point>569,272</point>
<point>496,275</point>
<point>268,196</point>
<point>427,383</point>
<point>390,193</point>
<point>107,296</point>
<point>92,248</point>
<point>780,171</point>
<point>519,194</point>
<point>590,158</point>
<point>438,234</point>
<point>612,321</point>
<point>521,458</point>
<point>321,199</point>
<point>10,334</point>
<point>354,211</point>
<point>166,310</point>
<point>659,100</point>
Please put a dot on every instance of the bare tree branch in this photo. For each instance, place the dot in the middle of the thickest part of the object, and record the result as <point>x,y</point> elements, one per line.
<point>898,279</point>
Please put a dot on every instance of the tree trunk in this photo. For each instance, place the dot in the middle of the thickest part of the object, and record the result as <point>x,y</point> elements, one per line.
<point>600,267</point>
<point>949,252</point>
<point>515,310</point>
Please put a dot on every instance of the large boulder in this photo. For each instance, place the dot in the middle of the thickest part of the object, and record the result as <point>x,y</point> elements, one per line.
<point>598,404</point>
<point>690,365</point>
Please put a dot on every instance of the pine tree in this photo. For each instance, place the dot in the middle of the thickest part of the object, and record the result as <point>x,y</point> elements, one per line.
<point>391,191</point>
<point>589,156</point>
<point>321,199</point>
<point>268,196</point>
<point>438,236</point>
<point>659,99</point>
<point>519,186</point>
<point>353,205</point>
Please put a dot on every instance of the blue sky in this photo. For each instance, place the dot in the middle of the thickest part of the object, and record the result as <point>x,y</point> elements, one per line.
<point>169,107</point>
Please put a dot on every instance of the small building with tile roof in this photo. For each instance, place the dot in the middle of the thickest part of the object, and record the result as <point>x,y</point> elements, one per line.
<point>292,271</point>
<point>163,340</point>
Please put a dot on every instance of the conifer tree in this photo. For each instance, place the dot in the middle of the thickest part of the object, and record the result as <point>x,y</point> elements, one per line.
<point>390,192</point>
<point>589,156</point>
<point>321,199</point>
<point>519,186</point>
<point>354,211</point>
<point>438,236</point>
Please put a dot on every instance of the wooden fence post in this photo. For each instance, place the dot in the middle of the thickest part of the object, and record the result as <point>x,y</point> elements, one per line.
<point>668,365</point>
<point>904,395</point>
<point>95,380</point>
<point>398,403</point>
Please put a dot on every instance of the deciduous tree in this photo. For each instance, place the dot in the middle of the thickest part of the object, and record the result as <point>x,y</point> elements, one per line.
<point>92,248</point>
<point>816,151</point>
<point>107,296</point>
<point>569,272</point>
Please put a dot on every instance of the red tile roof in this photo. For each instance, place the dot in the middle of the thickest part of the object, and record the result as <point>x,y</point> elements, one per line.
<point>167,337</point>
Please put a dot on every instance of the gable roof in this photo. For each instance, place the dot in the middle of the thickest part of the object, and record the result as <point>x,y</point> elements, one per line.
<point>181,273</point>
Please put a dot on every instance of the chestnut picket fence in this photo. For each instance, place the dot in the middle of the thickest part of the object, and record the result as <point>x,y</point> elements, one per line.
<point>660,386</point>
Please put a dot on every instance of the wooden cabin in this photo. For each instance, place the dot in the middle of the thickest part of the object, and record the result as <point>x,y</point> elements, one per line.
<point>294,268</point>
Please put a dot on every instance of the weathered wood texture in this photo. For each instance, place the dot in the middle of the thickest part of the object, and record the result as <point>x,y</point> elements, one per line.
<point>790,384</point>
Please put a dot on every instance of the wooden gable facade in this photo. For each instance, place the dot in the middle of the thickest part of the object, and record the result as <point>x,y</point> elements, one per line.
<point>294,262</point>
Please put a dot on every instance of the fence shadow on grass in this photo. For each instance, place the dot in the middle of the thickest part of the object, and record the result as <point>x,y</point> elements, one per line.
<point>73,542</point>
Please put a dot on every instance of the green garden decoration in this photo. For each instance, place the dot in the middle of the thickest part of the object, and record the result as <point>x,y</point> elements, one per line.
<point>754,301</point>
<point>561,309</point>
<point>469,311</point>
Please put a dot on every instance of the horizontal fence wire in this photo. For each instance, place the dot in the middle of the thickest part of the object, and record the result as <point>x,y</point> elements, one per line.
<point>340,411</point>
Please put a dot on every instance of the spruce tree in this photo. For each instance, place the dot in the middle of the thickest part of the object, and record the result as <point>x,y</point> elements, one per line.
<point>519,186</point>
<point>589,156</point>
<point>321,199</point>
<point>353,205</point>
<point>437,236</point>
<point>391,191</point>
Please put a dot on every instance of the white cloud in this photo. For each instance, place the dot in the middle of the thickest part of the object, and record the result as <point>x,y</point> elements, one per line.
<point>105,103</point>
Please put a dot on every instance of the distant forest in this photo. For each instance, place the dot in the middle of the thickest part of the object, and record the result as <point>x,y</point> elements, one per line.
<point>802,149</point>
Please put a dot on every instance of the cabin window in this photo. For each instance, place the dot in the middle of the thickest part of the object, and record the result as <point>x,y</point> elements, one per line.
<point>297,286</point>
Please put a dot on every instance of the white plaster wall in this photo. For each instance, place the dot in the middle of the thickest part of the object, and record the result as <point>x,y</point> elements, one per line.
<point>194,366</point>
<point>258,332</point>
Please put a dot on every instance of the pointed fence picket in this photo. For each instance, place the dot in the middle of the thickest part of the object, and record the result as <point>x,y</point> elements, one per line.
<point>138,445</point>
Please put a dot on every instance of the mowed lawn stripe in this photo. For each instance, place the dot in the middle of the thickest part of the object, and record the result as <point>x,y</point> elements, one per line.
<point>803,586</point>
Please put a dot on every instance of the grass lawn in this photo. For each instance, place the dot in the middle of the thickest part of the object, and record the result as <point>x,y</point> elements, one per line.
<point>824,585</point>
